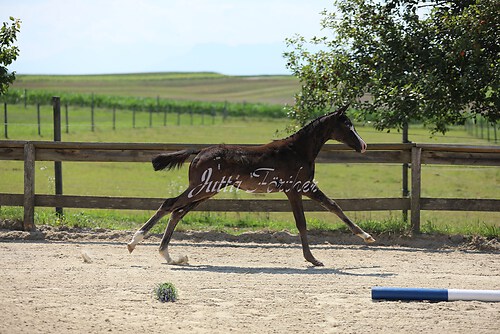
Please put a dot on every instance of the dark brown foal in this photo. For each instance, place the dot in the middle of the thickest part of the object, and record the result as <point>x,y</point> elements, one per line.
<point>285,165</point>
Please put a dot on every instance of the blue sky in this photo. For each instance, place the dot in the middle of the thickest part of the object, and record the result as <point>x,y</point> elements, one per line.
<point>123,36</point>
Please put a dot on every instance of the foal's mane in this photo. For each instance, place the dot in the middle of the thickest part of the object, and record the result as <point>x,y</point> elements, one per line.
<point>309,127</point>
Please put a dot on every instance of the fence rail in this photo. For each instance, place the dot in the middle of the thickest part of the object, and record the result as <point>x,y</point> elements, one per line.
<point>415,154</point>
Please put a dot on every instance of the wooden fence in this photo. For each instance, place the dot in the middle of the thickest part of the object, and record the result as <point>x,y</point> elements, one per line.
<point>138,118</point>
<point>414,154</point>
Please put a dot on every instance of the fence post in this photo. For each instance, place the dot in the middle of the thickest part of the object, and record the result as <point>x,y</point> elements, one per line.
<point>92,123</point>
<point>495,132</point>
<point>405,190</point>
<point>56,103</point>
<point>133,117</point>
<point>224,112</point>
<point>29,187</point>
<point>150,117</point>
<point>5,121</point>
<point>38,120</point>
<point>416,180</point>
<point>114,118</point>
<point>25,98</point>
<point>66,116</point>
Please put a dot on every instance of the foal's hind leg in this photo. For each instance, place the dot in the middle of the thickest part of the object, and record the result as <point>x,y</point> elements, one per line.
<point>331,206</point>
<point>176,216</point>
<point>165,208</point>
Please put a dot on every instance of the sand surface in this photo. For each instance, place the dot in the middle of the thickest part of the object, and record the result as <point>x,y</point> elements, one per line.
<point>259,286</point>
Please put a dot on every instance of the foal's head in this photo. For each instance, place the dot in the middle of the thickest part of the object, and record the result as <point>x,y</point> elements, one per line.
<point>344,131</point>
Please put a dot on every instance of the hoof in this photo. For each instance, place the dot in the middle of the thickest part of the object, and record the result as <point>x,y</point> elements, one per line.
<point>315,262</point>
<point>318,264</point>
<point>138,236</point>
<point>369,239</point>
<point>183,260</point>
<point>366,237</point>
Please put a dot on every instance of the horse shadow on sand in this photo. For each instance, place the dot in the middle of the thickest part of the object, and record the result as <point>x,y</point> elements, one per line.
<point>371,271</point>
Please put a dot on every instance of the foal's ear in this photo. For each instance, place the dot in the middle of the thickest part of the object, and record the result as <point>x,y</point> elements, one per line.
<point>341,111</point>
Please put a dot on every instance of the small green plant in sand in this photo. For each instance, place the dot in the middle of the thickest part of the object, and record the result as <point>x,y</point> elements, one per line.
<point>165,292</point>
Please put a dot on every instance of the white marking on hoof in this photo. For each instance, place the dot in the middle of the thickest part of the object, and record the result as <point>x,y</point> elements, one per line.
<point>86,257</point>
<point>182,260</point>
<point>138,237</point>
<point>366,237</point>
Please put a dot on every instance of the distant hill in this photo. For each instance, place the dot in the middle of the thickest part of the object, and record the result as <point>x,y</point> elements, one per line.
<point>194,86</point>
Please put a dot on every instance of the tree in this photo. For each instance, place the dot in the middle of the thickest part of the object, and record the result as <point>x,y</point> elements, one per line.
<point>8,52</point>
<point>398,61</point>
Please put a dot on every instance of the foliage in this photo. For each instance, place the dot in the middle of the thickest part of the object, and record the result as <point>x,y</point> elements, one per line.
<point>147,103</point>
<point>165,292</point>
<point>237,224</point>
<point>8,52</point>
<point>416,61</point>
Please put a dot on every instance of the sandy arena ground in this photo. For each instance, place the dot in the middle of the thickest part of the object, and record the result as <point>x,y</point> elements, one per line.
<point>260,286</point>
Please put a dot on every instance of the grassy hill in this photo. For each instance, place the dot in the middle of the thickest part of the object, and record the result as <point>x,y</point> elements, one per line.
<point>196,86</point>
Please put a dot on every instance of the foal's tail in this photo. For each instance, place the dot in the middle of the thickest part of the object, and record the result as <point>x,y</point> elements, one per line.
<point>172,160</point>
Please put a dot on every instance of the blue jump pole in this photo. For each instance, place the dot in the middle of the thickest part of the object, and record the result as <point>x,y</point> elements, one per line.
<point>420,294</point>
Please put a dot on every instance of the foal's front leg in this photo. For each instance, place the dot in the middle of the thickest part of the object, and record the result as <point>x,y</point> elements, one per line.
<point>300,220</point>
<point>331,206</point>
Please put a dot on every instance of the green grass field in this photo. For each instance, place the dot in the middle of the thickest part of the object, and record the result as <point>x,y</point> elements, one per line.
<point>175,86</point>
<point>138,179</point>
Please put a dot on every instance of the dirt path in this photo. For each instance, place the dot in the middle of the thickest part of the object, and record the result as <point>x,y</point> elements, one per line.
<point>236,287</point>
